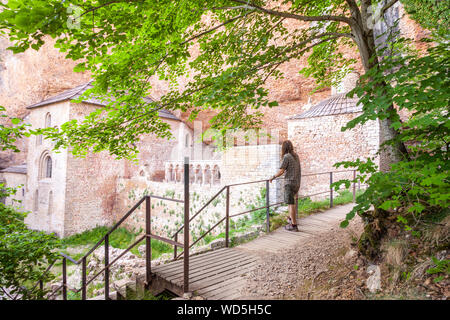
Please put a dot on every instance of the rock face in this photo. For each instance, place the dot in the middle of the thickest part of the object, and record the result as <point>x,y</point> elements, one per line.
<point>373,283</point>
<point>31,77</point>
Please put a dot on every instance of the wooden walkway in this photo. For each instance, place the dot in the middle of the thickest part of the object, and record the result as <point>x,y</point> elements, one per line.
<point>218,274</point>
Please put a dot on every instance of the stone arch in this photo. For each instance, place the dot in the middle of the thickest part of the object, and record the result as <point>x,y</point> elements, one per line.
<point>48,120</point>
<point>216,174</point>
<point>170,173</point>
<point>207,175</point>
<point>187,140</point>
<point>198,174</point>
<point>45,166</point>
<point>177,173</point>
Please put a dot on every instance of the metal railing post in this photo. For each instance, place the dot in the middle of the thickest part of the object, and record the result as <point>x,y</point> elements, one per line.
<point>148,241</point>
<point>331,190</point>
<point>354,186</point>
<point>175,246</point>
<point>227,220</point>
<point>83,279</point>
<point>186,225</point>
<point>64,278</point>
<point>41,285</point>
<point>106,267</point>
<point>267,207</point>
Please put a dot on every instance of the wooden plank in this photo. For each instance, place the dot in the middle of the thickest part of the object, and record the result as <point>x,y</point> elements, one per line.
<point>199,258</point>
<point>324,221</point>
<point>294,236</point>
<point>236,296</point>
<point>300,234</point>
<point>303,227</point>
<point>268,242</point>
<point>314,223</point>
<point>224,274</point>
<point>206,262</point>
<point>202,269</point>
<point>230,274</point>
<point>263,248</point>
<point>219,285</point>
<point>260,249</point>
<point>281,239</point>
<point>202,273</point>
<point>232,289</point>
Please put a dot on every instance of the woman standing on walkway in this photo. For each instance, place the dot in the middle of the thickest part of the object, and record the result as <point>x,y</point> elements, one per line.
<point>291,166</point>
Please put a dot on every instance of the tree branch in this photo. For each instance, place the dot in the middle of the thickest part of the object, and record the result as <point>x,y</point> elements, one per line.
<point>107,4</point>
<point>387,6</point>
<point>295,16</point>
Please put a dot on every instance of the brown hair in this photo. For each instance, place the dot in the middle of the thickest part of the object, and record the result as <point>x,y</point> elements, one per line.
<point>287,147</point>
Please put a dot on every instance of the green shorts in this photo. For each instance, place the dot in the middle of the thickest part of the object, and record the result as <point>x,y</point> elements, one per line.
<point>290,191</point>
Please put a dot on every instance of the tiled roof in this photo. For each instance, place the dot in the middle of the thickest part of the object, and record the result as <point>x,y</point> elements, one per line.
<point>75,93</point>
<point>16,169</point>
<point>337,104</point>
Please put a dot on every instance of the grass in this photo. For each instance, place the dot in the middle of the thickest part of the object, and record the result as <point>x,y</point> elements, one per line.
<point>120,238</point>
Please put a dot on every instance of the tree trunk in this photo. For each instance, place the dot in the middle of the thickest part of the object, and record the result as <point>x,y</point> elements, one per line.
<point>365,40</point>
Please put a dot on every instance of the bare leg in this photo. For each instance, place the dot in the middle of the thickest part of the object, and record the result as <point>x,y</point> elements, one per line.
<point>292,213</point>
<point>296,208</point>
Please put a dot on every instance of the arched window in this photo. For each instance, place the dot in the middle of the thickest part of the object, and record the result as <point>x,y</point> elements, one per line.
<point>187,141</point>
<point>216,175</point>
<point>48,167</point>
<point>45,166</point>
<point>48,120</point>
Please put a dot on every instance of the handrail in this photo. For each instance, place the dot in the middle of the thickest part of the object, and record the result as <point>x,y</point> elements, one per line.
<point>198,212</point>
<point>66,257</point>
<point>112,229</point>
<point>267,206</point>
<point>148,235</point>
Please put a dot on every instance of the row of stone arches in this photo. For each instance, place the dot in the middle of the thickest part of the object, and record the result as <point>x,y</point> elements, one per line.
<point>197,174</point>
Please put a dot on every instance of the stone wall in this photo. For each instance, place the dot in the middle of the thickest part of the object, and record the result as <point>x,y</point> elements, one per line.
<point>15,180</point>
<point>252,163</point>
<point>320,143</point>
<point>46,197</point>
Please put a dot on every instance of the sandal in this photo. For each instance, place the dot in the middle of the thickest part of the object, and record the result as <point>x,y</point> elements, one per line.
<point>291,227</point>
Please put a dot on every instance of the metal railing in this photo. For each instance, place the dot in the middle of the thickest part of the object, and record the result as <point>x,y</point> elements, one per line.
<point>105,240</point>
<point>266,206</point>
<point>148,235</point>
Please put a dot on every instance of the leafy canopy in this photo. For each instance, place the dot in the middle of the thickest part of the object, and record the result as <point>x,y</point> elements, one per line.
<point>418,187</point>
<point>224,49</point>
<point>24,253</point>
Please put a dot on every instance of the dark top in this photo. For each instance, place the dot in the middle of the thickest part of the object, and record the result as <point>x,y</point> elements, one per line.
<point>293,169</point>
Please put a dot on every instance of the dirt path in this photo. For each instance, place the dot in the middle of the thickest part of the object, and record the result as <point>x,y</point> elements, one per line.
<point>322,265</point>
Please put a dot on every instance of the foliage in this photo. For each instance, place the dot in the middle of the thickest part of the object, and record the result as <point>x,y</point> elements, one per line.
<point>10,134</point>
<point>24,254</point>
<point>441,266</point>
<point>431,14</point>
<point>418,186</point>
<point>225,50</point>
